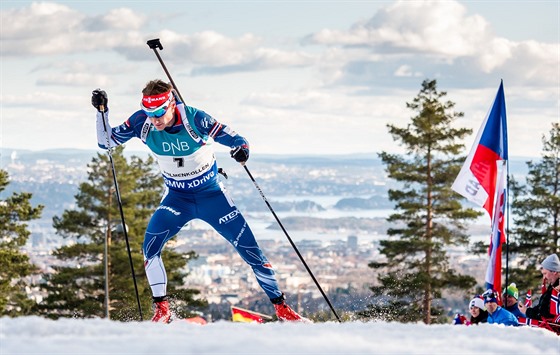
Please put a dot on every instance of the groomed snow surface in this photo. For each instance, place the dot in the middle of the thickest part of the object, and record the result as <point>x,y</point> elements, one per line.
<point>35,335</point>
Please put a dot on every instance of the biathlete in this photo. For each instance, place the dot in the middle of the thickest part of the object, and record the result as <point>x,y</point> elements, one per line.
<point>177,135</point>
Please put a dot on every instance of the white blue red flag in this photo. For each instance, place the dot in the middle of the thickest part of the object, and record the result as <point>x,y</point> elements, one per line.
<point>528,300</point>
<point>528,321</point>
<point>555,303</point>
<point>483,181</point>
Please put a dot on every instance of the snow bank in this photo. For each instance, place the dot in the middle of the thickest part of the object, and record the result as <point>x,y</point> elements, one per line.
<point>34,335</point>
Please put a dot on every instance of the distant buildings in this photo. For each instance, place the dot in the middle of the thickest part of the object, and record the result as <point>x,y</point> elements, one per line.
<point>337,246</point>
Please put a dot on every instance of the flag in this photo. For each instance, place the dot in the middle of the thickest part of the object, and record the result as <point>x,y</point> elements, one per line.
<point>554,303</point>
<point>497,237</point>
<point>528,300</point>
<point>552,326</point>
<point>460,319</point>
<point>247,316</point>
<point>482,180</point>
<point>196,320</point>
<point>478,176</point>
<point>528,321</point>
<point>543,285</point>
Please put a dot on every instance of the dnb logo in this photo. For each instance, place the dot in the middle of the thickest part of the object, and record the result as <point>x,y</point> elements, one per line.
<point>229,217</point>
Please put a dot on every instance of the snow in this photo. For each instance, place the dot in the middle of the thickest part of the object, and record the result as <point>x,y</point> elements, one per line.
<point>35,335</point>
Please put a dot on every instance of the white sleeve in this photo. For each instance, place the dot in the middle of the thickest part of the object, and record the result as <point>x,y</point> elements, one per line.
<point>104,131</point>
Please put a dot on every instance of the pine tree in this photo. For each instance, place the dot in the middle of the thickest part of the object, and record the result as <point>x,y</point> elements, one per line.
<point>15,266</point>
<point>536,215</point>
<point>429,217</point>
<point>77,288</point>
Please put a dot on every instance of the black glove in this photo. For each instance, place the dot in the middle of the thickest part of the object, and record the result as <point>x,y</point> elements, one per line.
<point>98,99</point>
<point>240,154</point>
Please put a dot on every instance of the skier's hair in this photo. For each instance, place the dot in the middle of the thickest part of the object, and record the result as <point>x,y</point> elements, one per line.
<point>156,87</point>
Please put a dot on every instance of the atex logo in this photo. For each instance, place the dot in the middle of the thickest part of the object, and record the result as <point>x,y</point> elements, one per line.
<point>229,217</point>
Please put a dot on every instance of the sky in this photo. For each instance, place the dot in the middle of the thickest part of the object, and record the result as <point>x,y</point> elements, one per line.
<point>293,77</point>
<point>34,335</point>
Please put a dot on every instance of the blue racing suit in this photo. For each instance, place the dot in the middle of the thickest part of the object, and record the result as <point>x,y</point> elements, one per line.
<point>190,173</point>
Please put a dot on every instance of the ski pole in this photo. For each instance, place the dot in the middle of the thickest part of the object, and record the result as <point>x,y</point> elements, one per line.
<point>109,150</point>
<point>155,44</point>
<point>291,242</point>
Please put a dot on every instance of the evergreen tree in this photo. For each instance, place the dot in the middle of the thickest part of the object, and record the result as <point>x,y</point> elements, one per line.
<point>77,288</point>
<point>536,215</point>
<point>429,217</point>
<point>15,266</point>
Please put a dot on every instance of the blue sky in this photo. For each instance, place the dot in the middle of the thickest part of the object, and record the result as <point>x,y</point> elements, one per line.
<point>293,77</point>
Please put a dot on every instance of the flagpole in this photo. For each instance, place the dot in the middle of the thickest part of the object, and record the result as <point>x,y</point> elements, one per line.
<point>507,225</point>
<point>507,195</point>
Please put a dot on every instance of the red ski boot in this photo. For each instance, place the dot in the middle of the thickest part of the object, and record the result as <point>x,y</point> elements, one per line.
<point>162,314</point>
<point>285,313</point>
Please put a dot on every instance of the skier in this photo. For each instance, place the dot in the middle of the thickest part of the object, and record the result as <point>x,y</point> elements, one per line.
<point>178,135</point>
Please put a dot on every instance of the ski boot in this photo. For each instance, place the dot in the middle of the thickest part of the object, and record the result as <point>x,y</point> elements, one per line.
<point>285,313</point>
<point>162,313</point>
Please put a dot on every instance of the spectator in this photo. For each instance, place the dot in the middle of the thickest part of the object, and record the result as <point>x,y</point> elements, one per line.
<point>478,312</point>
<point>511,296</point>
<point>550,269</point>
<point>496,314</point>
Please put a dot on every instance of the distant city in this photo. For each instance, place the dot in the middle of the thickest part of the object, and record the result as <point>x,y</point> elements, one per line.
<point>334,208</point>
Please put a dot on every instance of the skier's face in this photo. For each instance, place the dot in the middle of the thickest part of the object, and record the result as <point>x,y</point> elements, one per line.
<point>166,120</point>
